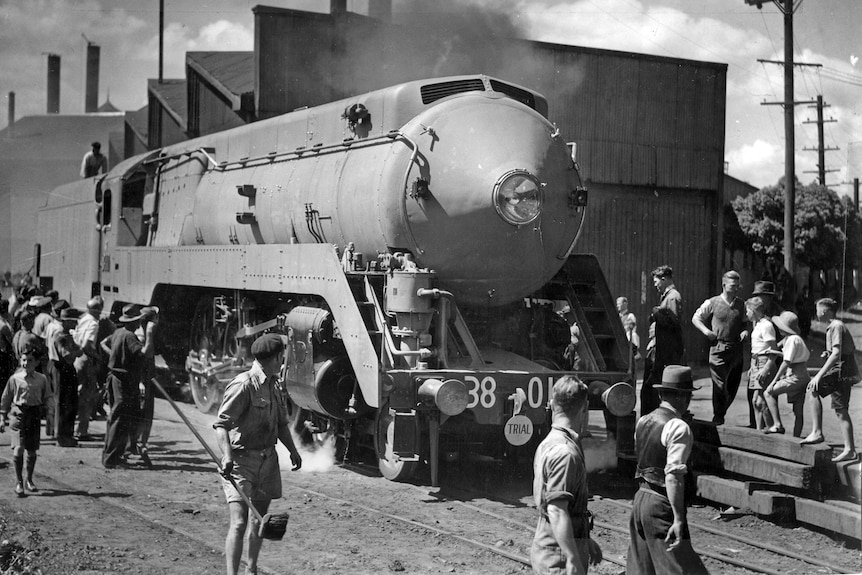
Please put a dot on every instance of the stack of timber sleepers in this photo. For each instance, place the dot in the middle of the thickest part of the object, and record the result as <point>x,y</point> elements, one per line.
<point>775,476</point>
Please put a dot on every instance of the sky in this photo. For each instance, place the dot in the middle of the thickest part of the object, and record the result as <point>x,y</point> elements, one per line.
<point>826,32</point>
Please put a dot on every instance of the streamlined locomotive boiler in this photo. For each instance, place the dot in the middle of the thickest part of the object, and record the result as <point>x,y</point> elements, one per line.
<point>413,246</point>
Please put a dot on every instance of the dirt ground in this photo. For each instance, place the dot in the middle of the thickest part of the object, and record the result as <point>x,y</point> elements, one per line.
<point>171,518</point>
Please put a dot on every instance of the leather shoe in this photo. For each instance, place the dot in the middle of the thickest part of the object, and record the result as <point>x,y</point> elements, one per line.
<point>30,486</point>
<point>774,429</point>
<point>19,489</point>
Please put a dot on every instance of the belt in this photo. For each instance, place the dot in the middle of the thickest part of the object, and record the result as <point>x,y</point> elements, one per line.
<point>262,453</point>
<point>647,486</point>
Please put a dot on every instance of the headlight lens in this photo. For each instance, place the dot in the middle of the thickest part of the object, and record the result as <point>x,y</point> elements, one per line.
<point>517,197</point>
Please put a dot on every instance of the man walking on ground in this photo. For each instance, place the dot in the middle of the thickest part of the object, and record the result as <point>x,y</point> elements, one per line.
<point>722,320</point>
<point>665,345</point>
<point>562,541</point>
<point>252,417</point>
<point>660,543</point>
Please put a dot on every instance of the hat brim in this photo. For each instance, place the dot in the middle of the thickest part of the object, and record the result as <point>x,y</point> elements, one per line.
<point>763,293</point>
<point>784,326</point>
<point>130,319</point>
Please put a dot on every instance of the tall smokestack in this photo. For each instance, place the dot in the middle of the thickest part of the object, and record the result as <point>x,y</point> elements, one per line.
<point>337,6</point>
<point>381,10</point>
<point>91,89</point>
<point>11,121</point>
<point>53,84</point>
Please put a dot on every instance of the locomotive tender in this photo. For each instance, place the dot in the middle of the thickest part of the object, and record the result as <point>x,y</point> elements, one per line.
<point>440,329</point>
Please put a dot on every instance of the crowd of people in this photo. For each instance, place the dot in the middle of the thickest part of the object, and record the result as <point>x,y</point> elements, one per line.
<point>660,541</point>
<point>62,365</point>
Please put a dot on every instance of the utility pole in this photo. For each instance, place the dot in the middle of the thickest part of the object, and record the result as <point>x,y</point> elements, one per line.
<point>787,9</point>
<point>161,39</point>
<point>821,148</point>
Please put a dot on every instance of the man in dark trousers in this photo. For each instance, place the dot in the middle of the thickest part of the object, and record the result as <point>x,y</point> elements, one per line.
<point>660,543</point>
<point>251,419</point>
<point>665,344</point>
<point>562,541</point>
<point>722,320</point>
<point>126,359</point>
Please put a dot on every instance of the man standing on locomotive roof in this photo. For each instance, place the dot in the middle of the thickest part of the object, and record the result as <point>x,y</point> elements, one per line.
<point>252,417</point>
<point>722,320</point>
<point>660,543</point>
<point>94,162</point>
<point>562,543</point>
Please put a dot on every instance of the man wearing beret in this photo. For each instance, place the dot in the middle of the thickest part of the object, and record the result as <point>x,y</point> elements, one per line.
<point>562,542</point>
<point>660,543</point>
<point>252,417</point>
<point>722,320</point>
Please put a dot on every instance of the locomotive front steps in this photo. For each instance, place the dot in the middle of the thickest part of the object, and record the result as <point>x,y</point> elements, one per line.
<point>776,476</point>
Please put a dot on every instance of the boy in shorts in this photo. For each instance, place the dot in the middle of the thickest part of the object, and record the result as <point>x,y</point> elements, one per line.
<point>763,365</point>
<point>835,379</point>
<point>24,402</point>
<point>792,375</point>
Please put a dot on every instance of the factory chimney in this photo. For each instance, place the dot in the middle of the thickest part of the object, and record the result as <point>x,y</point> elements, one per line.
<point>91,88</point>
<point>381,10</point>
<point>53,84</point>
<point>11,122</point>
<point>337,6</point>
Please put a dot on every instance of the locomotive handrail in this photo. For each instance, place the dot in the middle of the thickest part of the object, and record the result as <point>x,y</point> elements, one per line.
<point>405,193</point>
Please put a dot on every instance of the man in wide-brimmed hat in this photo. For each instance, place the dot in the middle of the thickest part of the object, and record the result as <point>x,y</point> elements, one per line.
<point>125,361</point>
<point>722,320</point>
<point>659,537</point>
<point>792,376</point>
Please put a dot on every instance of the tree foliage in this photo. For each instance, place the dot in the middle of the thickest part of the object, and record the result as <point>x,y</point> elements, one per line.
<point>820,220</point>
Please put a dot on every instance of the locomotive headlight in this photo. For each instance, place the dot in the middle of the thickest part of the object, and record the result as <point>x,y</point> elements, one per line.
<point>518,197</point>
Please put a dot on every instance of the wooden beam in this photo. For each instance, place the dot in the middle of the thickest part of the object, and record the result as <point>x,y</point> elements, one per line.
<point>828,515</point>
<point>780,446</point>
<point>773,504</point>
<point>788,473</point>
<point>849,480</point>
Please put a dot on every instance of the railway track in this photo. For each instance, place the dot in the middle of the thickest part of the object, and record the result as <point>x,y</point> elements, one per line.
<point>350,508</point>
<point>717,545</point>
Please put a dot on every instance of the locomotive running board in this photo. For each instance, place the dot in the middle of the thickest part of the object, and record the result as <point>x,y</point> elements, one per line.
<point>293,268</point>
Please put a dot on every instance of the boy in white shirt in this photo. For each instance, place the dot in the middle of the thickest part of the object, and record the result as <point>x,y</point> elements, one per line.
<point>792,377</point>
<point>763,364</point>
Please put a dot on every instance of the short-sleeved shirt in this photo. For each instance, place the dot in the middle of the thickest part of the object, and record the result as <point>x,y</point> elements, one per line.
<point>54,329</point>
<point>762,337</point>
<point>22,389</point>
<point>253,411</point>
<point>42,321</point>
<point>559,471</point>
<point>726,320</point>
<point>838,336</point>
<point>127,354</point>
<point>794,350</point>
<point>86,331</point>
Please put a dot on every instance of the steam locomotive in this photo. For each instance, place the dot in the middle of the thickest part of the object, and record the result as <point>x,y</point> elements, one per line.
<point>412,245</point>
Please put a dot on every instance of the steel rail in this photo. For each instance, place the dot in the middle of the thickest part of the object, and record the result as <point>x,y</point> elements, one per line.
<point>741,539</point>
<point>717,556</point>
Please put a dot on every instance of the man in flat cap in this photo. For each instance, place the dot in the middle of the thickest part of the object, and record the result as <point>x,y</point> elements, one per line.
<point>665,344</point>
<point>252,417</point>
<point>722,320</point>
<point>659,539</point>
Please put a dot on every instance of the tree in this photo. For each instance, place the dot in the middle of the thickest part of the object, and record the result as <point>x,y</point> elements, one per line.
<point>819,223</point>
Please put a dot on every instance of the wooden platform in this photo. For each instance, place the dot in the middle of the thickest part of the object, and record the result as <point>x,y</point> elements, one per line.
<point>777,477</point>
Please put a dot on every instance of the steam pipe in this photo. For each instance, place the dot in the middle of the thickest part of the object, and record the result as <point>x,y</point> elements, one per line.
<point>446,298</point>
